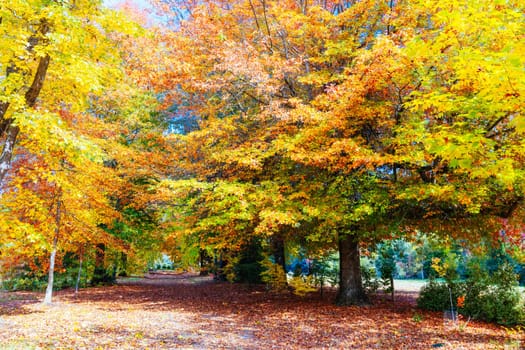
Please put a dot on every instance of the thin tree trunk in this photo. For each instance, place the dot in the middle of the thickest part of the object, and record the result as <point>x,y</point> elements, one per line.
<point>351,290</point>
<point>77,284</point>
<point>123,270</point>
<point>51,274</point>
<point>203,265</point>
<point>100,275</point>
<point>7,152</point>
<point>392,291</point>
<point>279,256</point>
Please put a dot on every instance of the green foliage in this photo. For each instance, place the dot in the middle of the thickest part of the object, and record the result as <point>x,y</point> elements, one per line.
<point>492,297</point>
<point>249,272</point>
<point>242,265</point>
<point>101,276</point>
<point>435,296</point>
<point>386,262</point>
<point>326,270</point>
<point>369,276</point>
<point>447,268</point>
<point>229,271</point>
<point>417,318</point>
<point>247,268</point>
<point>34,281</point>
<point>24,282</point>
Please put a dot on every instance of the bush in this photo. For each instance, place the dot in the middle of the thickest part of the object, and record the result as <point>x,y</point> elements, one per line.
<point>302,285</point>
<point>273,275</point>
<point>369,276</point>
<point>325,269</point>
<point>493,297</point>
<point>435,296</point>
<point>29,283</point>
<point>484,296</point>
<point>502,306</point>
<point>249,272</point>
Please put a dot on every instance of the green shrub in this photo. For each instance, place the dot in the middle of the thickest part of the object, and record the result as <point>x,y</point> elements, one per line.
<point>493,297</point>
<point>435,296</point>
<point>8,284</point>
<point>249,272</point>
<point>325,269</point>
<point>489,297</point>
<point>273,275</point>
<point>369,276</point>
<point>29,283</point>
<point>502,306</point>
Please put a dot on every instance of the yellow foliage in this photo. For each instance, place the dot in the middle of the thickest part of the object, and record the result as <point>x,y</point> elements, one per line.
<point>440,268</point>
<point>273,275</point>
<point>302,285</point>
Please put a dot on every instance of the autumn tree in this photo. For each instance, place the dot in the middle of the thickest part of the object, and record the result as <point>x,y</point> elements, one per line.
<point>244,76</point>
<point>441,138</point>
<point>55,54</point>
<point>84,132</point>
<point>345,121</point>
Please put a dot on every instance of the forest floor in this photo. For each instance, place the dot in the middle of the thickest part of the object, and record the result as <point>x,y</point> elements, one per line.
<point>191,312</point>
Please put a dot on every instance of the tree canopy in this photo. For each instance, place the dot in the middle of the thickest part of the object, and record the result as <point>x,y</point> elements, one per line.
<point>323,124</point>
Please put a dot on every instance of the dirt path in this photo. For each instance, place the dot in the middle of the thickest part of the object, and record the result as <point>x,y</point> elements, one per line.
<point>191,312</point>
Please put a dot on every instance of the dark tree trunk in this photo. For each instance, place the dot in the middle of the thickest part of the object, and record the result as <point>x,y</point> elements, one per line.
<point>123,268</point>
<point>101,275</point>
<point>219,264</point>
<point>79,275</point>
<point>204,263</point>
<point>392,290</point>
<point>351,290</point>
<point>9,131</point>
<point>277,246</point>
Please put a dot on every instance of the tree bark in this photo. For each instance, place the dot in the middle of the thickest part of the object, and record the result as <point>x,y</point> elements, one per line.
<point>7,152</point>
<point>79,275</point>
<point>100,275</point>
<point>351,290</point>
<point>8,129</point>
<point>204,263</point>
<point>51,274</point>
<point>392,290</point>
<point>277,247</point>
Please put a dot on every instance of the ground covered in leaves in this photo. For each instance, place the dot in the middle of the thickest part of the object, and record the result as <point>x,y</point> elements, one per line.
<point>190,312</point>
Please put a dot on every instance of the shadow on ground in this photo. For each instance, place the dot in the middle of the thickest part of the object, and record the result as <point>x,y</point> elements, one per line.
<point>188,311</point>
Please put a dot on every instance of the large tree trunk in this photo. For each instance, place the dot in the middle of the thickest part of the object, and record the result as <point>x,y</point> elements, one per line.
<point>351,290</point>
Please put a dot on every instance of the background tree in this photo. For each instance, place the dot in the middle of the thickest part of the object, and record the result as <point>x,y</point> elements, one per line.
<point>85,151</point>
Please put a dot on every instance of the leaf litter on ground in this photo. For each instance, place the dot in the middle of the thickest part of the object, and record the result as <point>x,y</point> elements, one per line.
<point>192,312</point>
